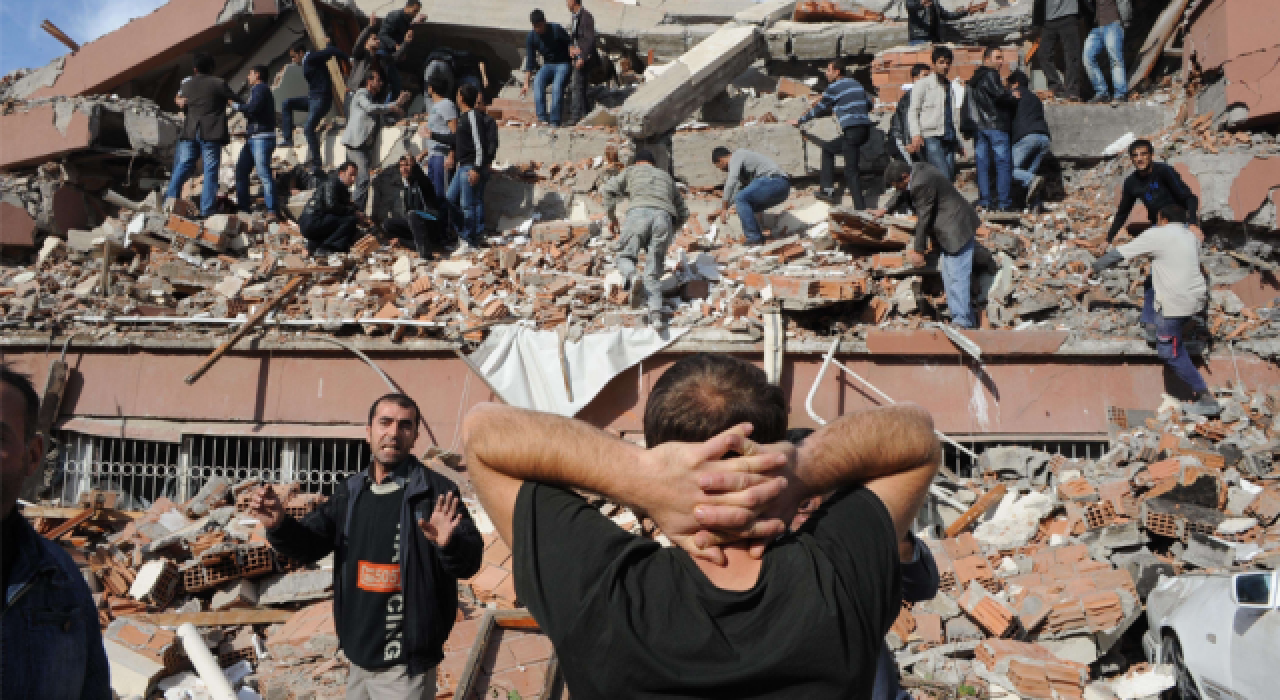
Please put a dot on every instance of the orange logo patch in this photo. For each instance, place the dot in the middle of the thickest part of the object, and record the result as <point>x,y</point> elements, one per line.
<point>379,578</point>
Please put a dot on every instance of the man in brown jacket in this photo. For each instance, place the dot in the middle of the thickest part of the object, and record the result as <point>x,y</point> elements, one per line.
<point>204,98</point>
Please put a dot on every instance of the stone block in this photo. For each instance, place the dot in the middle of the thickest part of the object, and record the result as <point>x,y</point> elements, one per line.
<point>1083,131</point>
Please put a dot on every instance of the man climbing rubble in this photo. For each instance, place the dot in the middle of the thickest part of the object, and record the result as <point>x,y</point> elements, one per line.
<point>401,539</point>
<point>740,608</point>
<point>365,116</point>
<point>754,184</point>
<point>317,102</point>
<point>848,101</point>
<point>204,98</point>
<point>657,212</point>
<point>1178,293</point>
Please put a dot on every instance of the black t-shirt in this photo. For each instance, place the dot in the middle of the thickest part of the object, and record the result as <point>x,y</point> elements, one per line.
<point>373,603</point>
<point>631,619</point>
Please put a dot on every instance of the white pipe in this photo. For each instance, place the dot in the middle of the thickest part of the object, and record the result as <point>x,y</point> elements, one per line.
<point>206,666</point>
<point>265,322</point>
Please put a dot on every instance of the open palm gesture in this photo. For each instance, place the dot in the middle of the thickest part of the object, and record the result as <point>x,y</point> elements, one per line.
<point>444,519</point>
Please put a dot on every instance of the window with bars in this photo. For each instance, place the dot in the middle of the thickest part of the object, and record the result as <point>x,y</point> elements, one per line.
<point>963,465</point>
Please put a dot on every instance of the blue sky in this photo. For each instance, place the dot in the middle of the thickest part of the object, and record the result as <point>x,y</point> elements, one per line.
<point>23,44</point>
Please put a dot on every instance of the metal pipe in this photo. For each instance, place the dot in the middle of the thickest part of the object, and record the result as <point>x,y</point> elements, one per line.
<point>265,322</point>
<point>206,666</point>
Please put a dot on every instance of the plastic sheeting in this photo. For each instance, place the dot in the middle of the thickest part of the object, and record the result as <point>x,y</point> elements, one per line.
<point>523,365</point>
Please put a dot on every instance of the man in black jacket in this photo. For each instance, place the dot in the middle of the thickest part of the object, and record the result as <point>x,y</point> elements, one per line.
<point>476,142</point>
<point>988,116</point>
<point>329,222</point>
<point>924,20</point>
<point>415,210</point>
<point>204,99</point>
<point>260,113</point>
<point>401,539</point>
<point>1157,184</point>
<point>1030,137</point>
<point>582,30</point>
<point>318,100</point>
<point>394,37</point>
<point>1058,22</point>
<point>899,124</point>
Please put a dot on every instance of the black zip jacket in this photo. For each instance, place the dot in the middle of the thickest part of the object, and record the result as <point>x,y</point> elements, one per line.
<point>988,104</point>
<point>926,22</point>
<point>394,26</point>
<point>1028,118</point>
<point>429,575</point>
<point>899,125</point>
<point>329,197</point>
<point>1161,186</point>
<point>465,146</point>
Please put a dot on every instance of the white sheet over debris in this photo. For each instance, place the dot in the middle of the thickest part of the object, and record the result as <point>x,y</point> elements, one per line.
<point>523,365</point>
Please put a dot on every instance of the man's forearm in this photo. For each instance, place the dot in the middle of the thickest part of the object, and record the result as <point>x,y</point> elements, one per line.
<point>867,445</point>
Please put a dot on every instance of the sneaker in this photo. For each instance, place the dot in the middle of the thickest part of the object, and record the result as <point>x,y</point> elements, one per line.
<point>1099,99</point>
<point>1033,190</point>
<point>1205,405</point>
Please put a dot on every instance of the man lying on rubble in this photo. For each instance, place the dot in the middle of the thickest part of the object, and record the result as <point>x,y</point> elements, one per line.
<point>365,116</point>
<point>754,184</point>
<point>848,101</point>
<point>1177,292</point>
<point>415,209</point>
<point>657,212</point>
<point>318,100</point>
<point>50,642</point>
<point>330,222</point>
<point>203,98</point>
<point>401,539</point>
<point>1157,184</point>
<point>946,218</point>
<point>740,608</point>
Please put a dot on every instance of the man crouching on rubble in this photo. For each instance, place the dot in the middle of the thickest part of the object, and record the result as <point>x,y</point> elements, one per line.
<point>402,540</point>
<point>742,609</point>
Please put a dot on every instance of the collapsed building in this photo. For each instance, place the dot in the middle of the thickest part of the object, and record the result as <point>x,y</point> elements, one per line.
<point>110,302</point>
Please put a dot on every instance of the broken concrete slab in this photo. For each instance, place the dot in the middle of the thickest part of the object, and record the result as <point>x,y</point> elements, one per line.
<point>1084,131</point>
<point>298,586</point>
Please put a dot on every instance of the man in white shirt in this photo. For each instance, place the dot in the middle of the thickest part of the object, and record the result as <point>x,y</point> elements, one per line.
<point>1180,293</point>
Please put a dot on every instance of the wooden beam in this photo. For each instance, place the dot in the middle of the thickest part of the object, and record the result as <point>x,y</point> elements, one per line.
<point>56,513</point>
<point>315,30</point>
<point>980,506</point>
<point>221,618</point>
<point>59,35</point>
<point>249,325</point>
<point>1159,37</point>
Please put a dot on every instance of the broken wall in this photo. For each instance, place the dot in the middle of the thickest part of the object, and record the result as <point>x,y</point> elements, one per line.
<point>1240,38</point>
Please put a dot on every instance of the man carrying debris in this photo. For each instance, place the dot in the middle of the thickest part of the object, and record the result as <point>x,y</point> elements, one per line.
<point>657,212</point>
<point>1030,137</point>
<point>740,608</point>
<point>582,30</point>
<point>551,42</point>
<point>899,124</point>
<point>932,116</point>
<point>755,183</point>
<point>50,641</point>
<point>415,209</point>
<point>394,38</point>
<point>319,99</point>
<point>260,114</point>
<point>846,98</point>
<point>401,538</point>
<point>476,143</point>
<point>204,98</point>
<point>329,222</point>
<point>1180,292</point>
<point>1157,184</point>
<point>925,18</point>
<point>947,219</point>
<point>988,116</point>
<point>365,115</point>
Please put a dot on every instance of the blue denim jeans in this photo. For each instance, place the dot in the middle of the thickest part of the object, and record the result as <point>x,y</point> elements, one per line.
<point>256,153</point>
<point>1169,346</point>
<point>941,155</point>
<point>1027,154</point>
<point>557,74</point>
<point>957,276</point>
<point>993,145</point>
<point>466,202</point>
<point>439,177</point>
<point>184,165</point>
<point>761,194</point>
<point>315,109</point>
<point>1110,39</point>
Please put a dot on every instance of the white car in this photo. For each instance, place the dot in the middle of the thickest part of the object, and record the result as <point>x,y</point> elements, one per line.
<point>1221,633</point>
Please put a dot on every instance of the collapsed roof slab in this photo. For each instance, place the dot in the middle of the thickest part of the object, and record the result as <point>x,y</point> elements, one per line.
<point>37,135</point>
<point>58,127</point>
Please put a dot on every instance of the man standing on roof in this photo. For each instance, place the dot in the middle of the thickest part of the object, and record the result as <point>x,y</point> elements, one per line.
<point>550,42</point>
<point>848,101</point>
<point>204,98</point>
<point>657,212</point>
<point>754,184</point>
<point>318,101</point>
<point>401,539</point>
<point>394,38</point>
<point>582,30</point>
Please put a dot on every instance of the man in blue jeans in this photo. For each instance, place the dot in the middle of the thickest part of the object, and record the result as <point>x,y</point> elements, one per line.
<point>1110,17</point>
<point>476,143</point>
<point>988,115</point>
<point>318,101</point>
<point>754,184</point>
<point>1030,136</point>
<point>260,113</point>
<point>551,42</point>
<point>204,98</point>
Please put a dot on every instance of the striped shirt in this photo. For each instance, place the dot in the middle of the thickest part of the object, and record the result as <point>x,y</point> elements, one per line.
<point>847,99</point>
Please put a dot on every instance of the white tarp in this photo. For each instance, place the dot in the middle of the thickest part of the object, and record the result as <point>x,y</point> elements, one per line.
<point>523,365</point>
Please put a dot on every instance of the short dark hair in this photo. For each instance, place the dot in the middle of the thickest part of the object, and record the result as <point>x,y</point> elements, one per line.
<point>369,76</point>
<point>942,52</point>
<point>467,93</point>
<point>919,68</point>
<point>841,64</point>
<point>401,400</point>
<point>204,63</point>
<point>536,17</point>
<point>439,86</point>
<point>986,52</point>
<point>261,70</point>
<point>704,395</point>
<point>720,152</point>
<point>347,164</point>
<point>413,3</point>
<point>1019,79</point>
<point>1174,213</point>
<point>1142,143</point>
<point>298,47</point>
<point>31,412</point>
<point>645,156</point>
<point>894,172</point>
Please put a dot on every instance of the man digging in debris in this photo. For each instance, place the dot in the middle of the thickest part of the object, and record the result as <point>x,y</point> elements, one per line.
<point>1178,293</point>
<point>50,642</point>
<point>755,183</point>
<point>657,212</point>
<point>401,539</point>
<point>741,608</point>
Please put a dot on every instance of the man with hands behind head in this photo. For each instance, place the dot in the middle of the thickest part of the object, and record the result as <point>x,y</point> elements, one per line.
<point>740,608</point>
<point>402,539</point>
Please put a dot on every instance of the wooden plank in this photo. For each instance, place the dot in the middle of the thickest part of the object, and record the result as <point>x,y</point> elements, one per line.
<point>222,618</point>
<point>55,513</point>
<point>70,524</point>
<point>315,30</point>
<point>321,270</point>
<point>254,320</point>
<point>980,506</point>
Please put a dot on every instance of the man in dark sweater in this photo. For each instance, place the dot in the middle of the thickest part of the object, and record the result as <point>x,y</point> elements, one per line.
<point>549,42</point>
<point>582,30</point>
<point>260,113</point>
<point>925,18</point>
<point>330,222</point>
<point>476,142</point>
<point>204,98</point>
<point>1031,138</point>
<point>394,38</point>
<point>401,539</point>
<point>319,99</point>
<point>739,607</point>
<point>988,116</point>
<point>847,100</point>
<point>1156,184</point>
<point>415,209</point>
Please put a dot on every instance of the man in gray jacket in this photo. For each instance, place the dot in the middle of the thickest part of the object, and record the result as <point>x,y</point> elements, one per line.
<point>657,212</point>
<point>364,116</point>
<point>949,220</point>
<point>754,184</point>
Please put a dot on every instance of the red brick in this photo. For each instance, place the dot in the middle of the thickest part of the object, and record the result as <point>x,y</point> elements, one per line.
<point>531,648</point>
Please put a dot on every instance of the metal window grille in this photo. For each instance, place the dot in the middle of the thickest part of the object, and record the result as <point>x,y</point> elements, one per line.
<point>145,471</point>
<point>963,465</point>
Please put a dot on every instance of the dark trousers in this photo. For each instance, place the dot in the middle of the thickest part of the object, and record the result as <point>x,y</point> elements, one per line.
<point>848,145</point>
<point>329,231</point>
<point>1062,34</point>
<point>425,234</point>
<point>1169,345</point>
<point>315,109</point>
<point>578,104</point>
<point>391,74</point>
